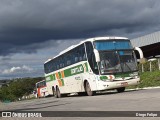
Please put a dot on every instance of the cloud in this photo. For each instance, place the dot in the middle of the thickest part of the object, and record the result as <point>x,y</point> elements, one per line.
<point>34,60</point>
<point>32,31</point>
<point>26,25</point>
<point>15,70</point>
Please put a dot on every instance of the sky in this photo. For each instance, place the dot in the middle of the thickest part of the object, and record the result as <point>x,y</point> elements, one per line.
<point>32,31</point>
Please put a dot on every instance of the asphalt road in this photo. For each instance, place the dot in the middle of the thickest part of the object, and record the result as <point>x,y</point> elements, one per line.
<point>134,100</point>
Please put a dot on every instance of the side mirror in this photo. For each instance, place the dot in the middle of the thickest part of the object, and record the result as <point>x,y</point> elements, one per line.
<point>143,60</point>
<point>97,55</point>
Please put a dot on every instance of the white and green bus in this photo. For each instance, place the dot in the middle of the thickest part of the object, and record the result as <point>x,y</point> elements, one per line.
<point>95,64</point>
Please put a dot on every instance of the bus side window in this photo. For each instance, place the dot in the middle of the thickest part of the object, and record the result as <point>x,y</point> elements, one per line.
<point>68,59</point>
<point>76,58</point>
<point>80,53</point>
<point>49,66</point>
<point>89,50</point>
<point>37,85</point>
<point>83,54</point>
<point>57,64</point>
<point>52,65</point>
<point>61,62</point>
<point>91,57</point>
<point>44,83</point>
<point>45,68</point>
<point>94,64</point>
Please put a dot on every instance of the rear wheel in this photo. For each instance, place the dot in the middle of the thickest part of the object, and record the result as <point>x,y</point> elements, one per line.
<point>122,89</point>
<point>88,89</point>
<point>57,93</point>
<point>54,92</point>
<point>82,93</point>
<point>64,95</point>
<point>38,96</point>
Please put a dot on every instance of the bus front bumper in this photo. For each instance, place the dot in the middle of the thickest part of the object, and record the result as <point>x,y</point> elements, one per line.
<point>103,85</point>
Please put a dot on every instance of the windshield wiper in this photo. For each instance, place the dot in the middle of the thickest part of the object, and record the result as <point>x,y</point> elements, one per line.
<point>127,66</point>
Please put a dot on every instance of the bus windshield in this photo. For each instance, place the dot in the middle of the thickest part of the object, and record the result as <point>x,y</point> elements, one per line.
<point>112,44</point>
<point>127,60</point>
<point>40,84</point>
<point>109,62</point>
<point>117,61</point>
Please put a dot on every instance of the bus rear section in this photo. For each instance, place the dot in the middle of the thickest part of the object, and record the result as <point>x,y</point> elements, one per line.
<point>41,89</point>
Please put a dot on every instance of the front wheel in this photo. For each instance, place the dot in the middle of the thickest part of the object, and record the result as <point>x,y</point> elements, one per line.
<point>122,89</point>
<point>88,90</point>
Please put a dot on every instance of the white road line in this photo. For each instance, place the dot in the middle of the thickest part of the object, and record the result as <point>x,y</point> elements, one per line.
<point>145,88</point>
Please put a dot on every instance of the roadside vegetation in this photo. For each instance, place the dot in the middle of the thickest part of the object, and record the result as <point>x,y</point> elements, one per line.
<point>18,88</point>
<point>149,79</point>
<point>151,75</point>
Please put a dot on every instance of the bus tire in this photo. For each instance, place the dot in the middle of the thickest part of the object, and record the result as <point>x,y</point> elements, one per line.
<point>122,89</point>
<point>38,96</point>
<point>64,95</point>
<point>53,90</point>
<point>88,89</point>
<point>58,94</point>
<point>82,94</point>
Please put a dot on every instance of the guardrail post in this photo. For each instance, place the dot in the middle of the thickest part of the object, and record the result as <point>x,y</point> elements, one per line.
<point>150,64</point>
<point>159,63</point>
<point>142,68</point>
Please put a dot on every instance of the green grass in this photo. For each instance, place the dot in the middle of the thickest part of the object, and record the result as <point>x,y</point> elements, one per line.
<point>148,79</point>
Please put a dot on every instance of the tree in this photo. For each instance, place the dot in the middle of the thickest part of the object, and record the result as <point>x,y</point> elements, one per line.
<point>18,88</point>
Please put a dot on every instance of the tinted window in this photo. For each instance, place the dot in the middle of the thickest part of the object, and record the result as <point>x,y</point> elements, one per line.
<point>91,57</point>
<point>112,44</point>
<point>73,56</point>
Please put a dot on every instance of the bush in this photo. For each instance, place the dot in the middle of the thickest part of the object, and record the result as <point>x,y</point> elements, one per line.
<point>18,88</point>
<point>146,66</point>
<point>150,79</point>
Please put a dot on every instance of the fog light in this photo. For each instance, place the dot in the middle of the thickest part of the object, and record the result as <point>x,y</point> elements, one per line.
<point>104,85</point>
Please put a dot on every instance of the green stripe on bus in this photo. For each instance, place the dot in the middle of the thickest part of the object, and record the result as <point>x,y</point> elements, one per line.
<point>50,78</point>
<point>86,65</point>
<point>53,77</point>
<point>122,75</point>
<point>70,72</point>
<point>60,76</point>
<point>62,82</point>
<point>74,70</point>
<point>103,77</point>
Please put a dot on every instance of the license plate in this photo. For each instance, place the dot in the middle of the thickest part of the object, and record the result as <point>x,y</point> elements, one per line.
<point>124,84</point>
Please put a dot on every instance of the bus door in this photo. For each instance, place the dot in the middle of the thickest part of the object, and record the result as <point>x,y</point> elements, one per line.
<point>90,73</point>
<point>93,71</point>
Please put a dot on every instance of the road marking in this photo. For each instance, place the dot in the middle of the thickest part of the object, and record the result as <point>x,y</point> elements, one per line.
<point>145,88</point>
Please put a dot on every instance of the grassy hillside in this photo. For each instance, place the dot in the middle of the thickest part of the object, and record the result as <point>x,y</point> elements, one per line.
<point>150,79</point>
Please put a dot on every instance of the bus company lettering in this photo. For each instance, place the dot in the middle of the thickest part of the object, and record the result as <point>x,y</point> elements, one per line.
<point>48,78</point>
<point>77,70</point>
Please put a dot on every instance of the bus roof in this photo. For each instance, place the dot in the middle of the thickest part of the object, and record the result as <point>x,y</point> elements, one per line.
<point>91,40</point>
